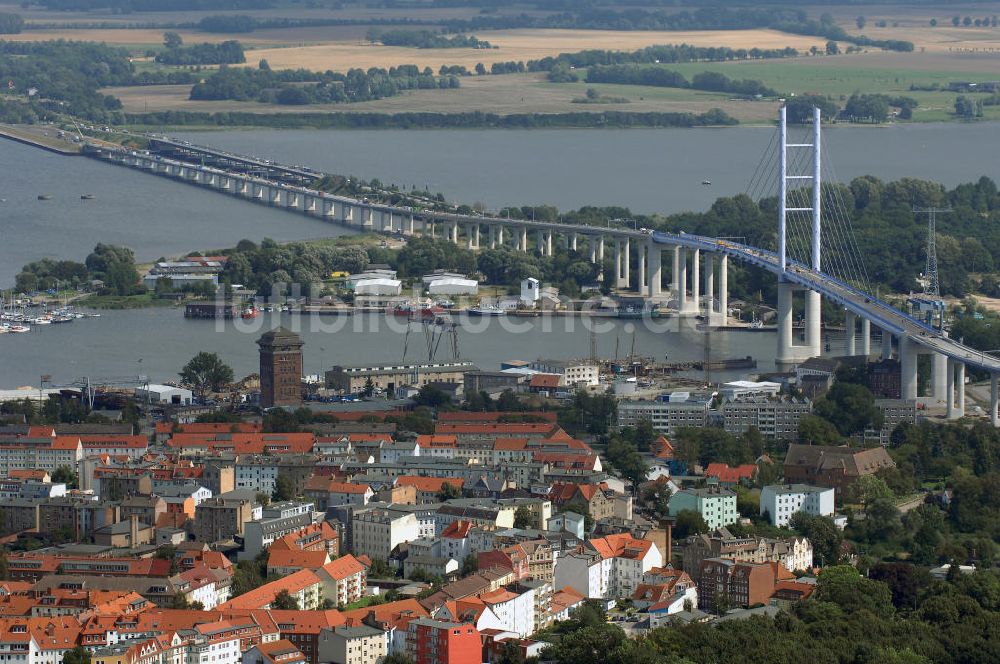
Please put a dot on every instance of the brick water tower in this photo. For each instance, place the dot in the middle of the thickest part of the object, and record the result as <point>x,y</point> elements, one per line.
<point>280,368</point>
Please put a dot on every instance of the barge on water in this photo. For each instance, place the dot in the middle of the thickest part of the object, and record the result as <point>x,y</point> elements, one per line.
<point>211,310</point>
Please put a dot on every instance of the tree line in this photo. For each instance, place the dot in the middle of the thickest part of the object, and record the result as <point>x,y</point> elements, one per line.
<point>712,117</point>
<point>300,87</point>
<point>423,39</point>
<point>791,20</point>
<point>655,75</point>
<point>226,53</point>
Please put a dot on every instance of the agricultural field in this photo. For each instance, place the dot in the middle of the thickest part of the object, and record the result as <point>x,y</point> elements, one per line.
<point>516,45</point>
<point>506,94</point>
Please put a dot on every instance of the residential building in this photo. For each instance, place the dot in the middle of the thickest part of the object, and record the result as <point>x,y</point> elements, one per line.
<point>716,505</point>
<point>353,379</point>
<point>223,517</point>
<point>794,553</point>
<point>776,418</point>
<point>727,583</point>
<point>361,644</point>
<point>781,501</point>
<point>377,532</point>
<point>344,580</point>
<point>277,520</point>
<point>281,651</point>
<point>607,567</point>
<point>573,372</point>
<point>835,467</point>
<point>439,642</point>
<point>667,416</point>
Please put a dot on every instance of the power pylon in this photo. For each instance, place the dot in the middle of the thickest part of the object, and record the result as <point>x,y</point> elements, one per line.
<point>931,284</point>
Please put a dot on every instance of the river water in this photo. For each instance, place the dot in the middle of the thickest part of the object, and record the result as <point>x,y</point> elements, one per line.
<point>158,342</point>
<point>647,170</point>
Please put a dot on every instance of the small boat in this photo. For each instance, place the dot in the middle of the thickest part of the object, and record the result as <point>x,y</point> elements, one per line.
<point>87,197</point>
<point>481,310</point>
<point>62,319</point>
<point>756,324</point>
<point>19,328</point>
<point>249,313</point>
<point>45,197</point>
<point>706,182</point>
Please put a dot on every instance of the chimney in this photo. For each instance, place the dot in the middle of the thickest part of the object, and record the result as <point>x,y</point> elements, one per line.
<point>133,531</point>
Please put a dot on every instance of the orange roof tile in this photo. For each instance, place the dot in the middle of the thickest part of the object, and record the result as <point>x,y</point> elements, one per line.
<point>343,567</point>
<point>429,484</point>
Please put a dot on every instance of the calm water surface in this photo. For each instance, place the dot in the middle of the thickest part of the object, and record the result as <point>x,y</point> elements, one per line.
<point>648,170</point>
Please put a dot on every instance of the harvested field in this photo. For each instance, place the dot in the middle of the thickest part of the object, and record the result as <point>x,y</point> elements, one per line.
<point>508,94</point>
<point>515,45</point>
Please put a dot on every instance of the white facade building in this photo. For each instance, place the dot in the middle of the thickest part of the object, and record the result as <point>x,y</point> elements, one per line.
<point>781,501</point>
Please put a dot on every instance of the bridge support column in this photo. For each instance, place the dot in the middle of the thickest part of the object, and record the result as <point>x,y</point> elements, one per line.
<point>548,243</point>
<point>618,263</point>
<point>592,245</point>
<point>907,368</point>
<point>682,278</point>
<point>409,225</point>
<point>994,394</point>
<point>675,271</point>
<point>949,398</point>
<point>600,248</point>
<point>724,289</point>
<point>696,281</point>
<point>939,377</point>
<point>814,324</point>
<point>643,280</point>
<point>492,232</point>
<point>784,320</point>
<point>627,257</point>
<point>454,232</point>
<point>886,344</point>
<point>275,196</point>
<point>850,347</point>
<point>470,239</point>
<point>572,241</point>
<point>655,270</point>
<point>709,286</point>
<point>500,239</point>
<point>960,390</point>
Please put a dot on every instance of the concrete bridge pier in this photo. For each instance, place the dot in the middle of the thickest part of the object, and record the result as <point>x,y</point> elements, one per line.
<point>592,244</point>
<point>500,237</point>
<point>788,351</point>
<point>548,243</point>
<point>572,242</point>
<point>454,232</point>
<point>292,200</point>
<point>642,278</point>
<point>655,270</point>
<point>620,274</point>
<point>275,194</point>
<point>955,391</point>
<point>866,337</point>
<point>243,188</point>
<point>682,278</point>
<point>939,377</point>
<point>814,324</point>
<point>600,248</point>
<point>329,209</point>
<point>367,219</point>
<point>470,240</point>
<point>850,347</point>
<point>908,355</point>
<point>886,345</point>
<point>675,272</point>
<point>709,286</point>
<point>695,301</point>
<point>724,289</point>
<point>259,191</point>
<point>346,214</point>
<point>994,394</point>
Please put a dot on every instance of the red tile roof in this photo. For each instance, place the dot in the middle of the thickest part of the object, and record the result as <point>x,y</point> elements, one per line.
<point>729,475</point>
<point>429,484</point>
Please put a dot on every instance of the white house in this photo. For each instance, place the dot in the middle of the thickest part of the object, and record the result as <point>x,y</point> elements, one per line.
<point>607,567</point>
<point>781,501</point>
<point>530,290</point>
